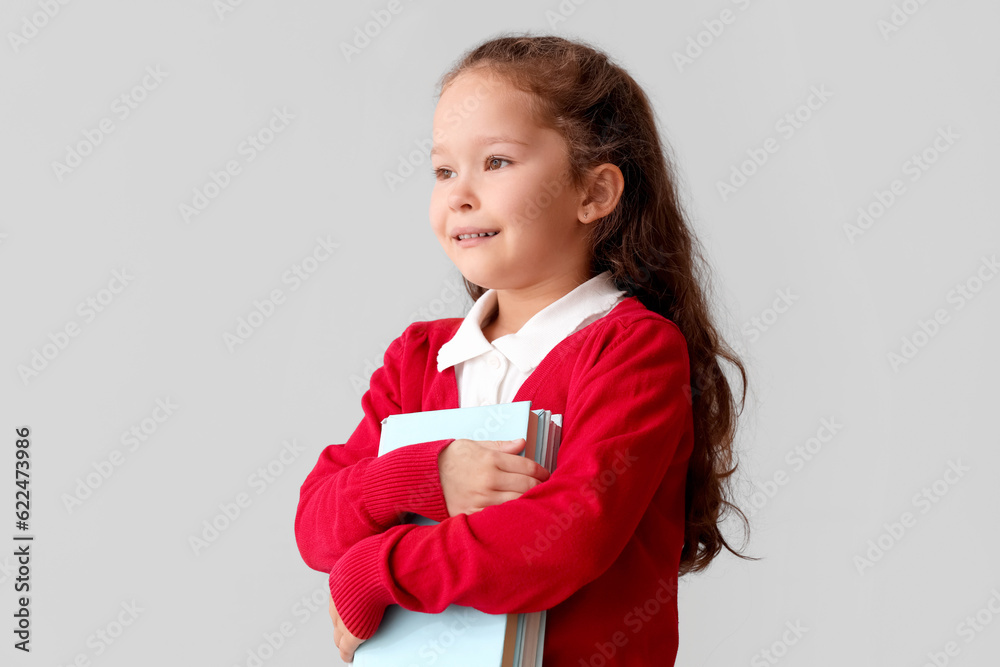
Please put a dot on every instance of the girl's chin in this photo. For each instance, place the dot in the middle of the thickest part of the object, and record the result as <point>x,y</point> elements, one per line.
<point>477,276</point>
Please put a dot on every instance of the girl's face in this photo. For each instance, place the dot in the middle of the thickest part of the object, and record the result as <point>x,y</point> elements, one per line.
<point>497,171</point>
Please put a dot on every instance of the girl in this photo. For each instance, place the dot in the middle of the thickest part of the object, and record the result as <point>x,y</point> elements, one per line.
<point>554,199</point>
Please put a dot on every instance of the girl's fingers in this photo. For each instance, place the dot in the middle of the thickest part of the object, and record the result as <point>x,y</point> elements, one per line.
<point>522,466</point>
<point>338,627</point>
<point>512,446</point>
<point>513,482</point>
<point>508,486</point>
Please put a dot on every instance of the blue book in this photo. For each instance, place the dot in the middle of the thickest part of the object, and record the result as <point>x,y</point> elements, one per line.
<point>463,636</point>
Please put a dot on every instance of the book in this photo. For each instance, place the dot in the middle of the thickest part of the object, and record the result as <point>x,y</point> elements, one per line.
<point>462,636</point>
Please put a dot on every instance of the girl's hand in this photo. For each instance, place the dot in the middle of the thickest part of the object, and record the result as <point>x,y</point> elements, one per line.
<point>478,473</point>
<point>345,641</point>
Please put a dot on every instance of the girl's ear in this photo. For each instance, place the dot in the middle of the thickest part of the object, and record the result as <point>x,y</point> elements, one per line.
<point>604,189</point>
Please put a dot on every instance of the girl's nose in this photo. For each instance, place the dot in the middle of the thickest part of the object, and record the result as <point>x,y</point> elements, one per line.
<point>461,195</point>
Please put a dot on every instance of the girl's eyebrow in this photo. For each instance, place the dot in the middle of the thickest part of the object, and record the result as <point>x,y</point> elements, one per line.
<point>486,141</point>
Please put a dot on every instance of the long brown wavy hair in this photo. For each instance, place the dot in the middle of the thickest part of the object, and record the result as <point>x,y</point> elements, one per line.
<point>645,242</point>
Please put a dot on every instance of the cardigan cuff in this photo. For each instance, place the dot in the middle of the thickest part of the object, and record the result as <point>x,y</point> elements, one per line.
<point>405,480</point>
<point>357,590</point>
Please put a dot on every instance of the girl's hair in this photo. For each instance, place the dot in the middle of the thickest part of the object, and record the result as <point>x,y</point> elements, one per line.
<point>645,243</point>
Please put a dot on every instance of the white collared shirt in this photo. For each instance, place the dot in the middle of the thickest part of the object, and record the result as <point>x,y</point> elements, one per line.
<point>491,373</point>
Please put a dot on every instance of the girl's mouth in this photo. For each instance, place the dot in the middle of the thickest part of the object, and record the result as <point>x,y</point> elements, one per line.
<point>469,240</point>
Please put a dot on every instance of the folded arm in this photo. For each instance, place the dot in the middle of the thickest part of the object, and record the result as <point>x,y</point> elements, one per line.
<point>623,427</point>
<point>352,493</point>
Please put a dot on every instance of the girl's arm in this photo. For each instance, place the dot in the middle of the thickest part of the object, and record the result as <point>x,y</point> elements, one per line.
<point>352,493</point>
<point>625,426</point>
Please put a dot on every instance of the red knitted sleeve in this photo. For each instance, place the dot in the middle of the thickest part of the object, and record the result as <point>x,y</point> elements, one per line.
<point>624,423</point>
<point>352,493</point>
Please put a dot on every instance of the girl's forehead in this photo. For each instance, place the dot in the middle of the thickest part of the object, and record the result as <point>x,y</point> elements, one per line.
<point>475,94</point>
<point>481,83</point>
<point>481,103</point>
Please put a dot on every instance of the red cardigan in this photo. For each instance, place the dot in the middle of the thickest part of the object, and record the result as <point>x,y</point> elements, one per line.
<point>597,544</point>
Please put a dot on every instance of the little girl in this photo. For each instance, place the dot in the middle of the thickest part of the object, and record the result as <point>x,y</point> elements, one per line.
<point>554,199</point>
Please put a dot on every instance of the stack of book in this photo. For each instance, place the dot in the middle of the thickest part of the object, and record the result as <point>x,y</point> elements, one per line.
<point>462,636</point>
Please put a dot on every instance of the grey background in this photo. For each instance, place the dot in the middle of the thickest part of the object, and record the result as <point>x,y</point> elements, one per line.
<point>301,374</point>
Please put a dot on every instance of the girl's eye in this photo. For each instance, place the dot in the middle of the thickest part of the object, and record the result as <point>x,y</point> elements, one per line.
<point>492,163</point>
<point>493,159</point>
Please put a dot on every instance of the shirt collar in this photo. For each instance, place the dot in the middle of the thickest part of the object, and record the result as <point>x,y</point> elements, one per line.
<point>527,347</point>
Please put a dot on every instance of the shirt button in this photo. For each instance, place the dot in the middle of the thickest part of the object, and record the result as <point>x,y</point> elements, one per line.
<point>494,362</point>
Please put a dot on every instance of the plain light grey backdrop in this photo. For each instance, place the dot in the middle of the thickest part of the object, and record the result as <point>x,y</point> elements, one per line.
<point>839,164</point>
